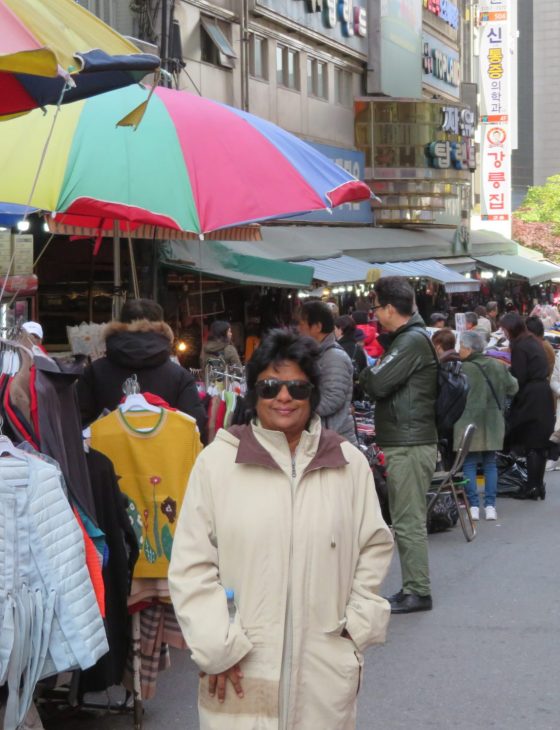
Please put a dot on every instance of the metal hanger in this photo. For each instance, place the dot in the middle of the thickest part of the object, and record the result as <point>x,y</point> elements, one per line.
<point>134,400</point>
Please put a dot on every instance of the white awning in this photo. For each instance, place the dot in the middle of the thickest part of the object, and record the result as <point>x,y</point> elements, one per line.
<point>453,282</point>
<point>346,270</point>
<point>338,270</point>
<point>534,271</point>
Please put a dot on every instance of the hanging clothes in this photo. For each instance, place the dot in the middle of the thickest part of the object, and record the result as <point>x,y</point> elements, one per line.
<point>153,454</point>
<point>60,426</point>
<point>159,629</point>
<point>111,505</point>
<point>49,617</point>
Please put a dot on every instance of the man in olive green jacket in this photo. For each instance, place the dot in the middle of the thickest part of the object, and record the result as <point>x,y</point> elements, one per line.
<point>403,385</point>
<point>490,383</point>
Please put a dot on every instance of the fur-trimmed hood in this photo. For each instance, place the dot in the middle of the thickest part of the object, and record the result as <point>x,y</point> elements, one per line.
<point>140,344</point>
<point>139,325</point>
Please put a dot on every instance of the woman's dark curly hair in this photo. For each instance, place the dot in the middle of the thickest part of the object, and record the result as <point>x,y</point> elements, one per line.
<point>280,346</point>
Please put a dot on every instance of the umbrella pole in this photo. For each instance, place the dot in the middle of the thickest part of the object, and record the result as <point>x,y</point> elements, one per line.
<point>133,271</point>
<point>117,281</point>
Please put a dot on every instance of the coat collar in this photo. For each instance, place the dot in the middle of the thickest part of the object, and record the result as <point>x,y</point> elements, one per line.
<point>414,321</point>
<point>329,454</point>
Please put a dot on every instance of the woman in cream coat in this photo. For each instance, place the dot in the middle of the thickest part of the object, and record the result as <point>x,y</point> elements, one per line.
<point>284,513</point>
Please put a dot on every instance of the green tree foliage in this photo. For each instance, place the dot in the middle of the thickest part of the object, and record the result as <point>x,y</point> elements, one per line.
<point>542,205</point>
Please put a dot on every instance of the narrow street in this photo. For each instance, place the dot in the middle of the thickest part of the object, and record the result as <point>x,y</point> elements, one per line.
<point>487,656</point>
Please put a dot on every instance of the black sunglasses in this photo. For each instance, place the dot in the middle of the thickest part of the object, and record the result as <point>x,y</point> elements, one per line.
<point>269,388</point>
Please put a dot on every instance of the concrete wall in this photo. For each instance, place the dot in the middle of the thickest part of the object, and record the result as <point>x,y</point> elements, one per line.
<point>295,111</point>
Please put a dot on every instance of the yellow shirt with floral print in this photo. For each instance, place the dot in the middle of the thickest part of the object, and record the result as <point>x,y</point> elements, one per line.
<point>153,454</point>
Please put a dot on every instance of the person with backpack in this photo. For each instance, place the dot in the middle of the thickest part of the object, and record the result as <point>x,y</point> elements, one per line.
<point>490,384</point>
<point>403,384</point>
<point>337,372</point>
<point>346,335</point>
<point>452,391</point>
<point>219,345</point>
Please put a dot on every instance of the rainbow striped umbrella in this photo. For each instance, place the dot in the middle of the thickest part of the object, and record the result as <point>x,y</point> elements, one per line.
<point>193,165</point>
<point>46,45</point>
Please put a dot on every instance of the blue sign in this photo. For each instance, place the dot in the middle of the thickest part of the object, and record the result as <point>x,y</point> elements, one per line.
<point>354,163</point>
<point>441,67</point>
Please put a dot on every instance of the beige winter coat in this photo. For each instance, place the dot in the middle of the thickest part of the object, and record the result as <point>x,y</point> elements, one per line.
<point>302,567</point>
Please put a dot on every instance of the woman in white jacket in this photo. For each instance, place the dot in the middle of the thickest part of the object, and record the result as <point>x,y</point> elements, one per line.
<point>283,513</point>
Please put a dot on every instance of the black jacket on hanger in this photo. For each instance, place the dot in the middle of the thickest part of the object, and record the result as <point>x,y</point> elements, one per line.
<point>122,547</point>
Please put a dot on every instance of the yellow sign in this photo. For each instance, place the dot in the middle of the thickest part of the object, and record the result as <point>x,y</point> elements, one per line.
<point>373,275</point>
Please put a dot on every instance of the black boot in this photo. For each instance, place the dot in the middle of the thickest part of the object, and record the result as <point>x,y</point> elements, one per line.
<point>526,492</point>
<point>536,463</point>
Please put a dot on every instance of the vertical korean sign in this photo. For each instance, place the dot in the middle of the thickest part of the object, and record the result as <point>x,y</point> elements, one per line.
<point>495,142</point>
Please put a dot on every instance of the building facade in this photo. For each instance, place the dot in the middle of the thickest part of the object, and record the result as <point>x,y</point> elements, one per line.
<point>417,124</point>
<point>537,156</point>
<point>297,63</point>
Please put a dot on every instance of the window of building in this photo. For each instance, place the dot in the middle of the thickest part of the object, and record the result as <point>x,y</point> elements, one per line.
<point>215,47</point>
<point>258,57</point>
<point>317,78</point>
<point>343,87</point>
<point>287,67</point>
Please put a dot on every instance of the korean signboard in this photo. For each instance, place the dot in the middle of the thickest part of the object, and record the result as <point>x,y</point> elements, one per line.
<point>420,156</point>
<point>457,150</point>
<point>496,178</point>
<point>341,21</point>
<point>444,9</point>
<point>495,80</point>
<point>441,68</point>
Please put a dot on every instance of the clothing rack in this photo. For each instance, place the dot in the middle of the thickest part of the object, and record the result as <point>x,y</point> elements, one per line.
<point>226,375</point>
<point>67,698</point>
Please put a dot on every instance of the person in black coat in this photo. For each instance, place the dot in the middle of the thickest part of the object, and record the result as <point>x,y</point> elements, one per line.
<point>348,337</point>
<point>140,343</point>
<point>531,419</point>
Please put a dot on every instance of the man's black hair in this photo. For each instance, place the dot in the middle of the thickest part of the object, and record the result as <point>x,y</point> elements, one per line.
<point>134,309</point>
<point>535,325</point>
<point>345,323</point>
<point>315,312</point>
<point>397,291</point>
<point>284,346</point>
<point>360,317</point>
<point>437,317</point>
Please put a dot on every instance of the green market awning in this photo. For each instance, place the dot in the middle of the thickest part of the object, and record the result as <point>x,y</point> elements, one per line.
<point>218,260</point>
<point>534,271</point>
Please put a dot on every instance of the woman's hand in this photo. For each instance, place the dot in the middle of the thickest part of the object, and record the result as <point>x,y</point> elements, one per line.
<point>219,681</point>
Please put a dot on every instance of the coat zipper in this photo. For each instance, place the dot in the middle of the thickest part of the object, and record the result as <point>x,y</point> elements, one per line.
<point>289,622</point>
